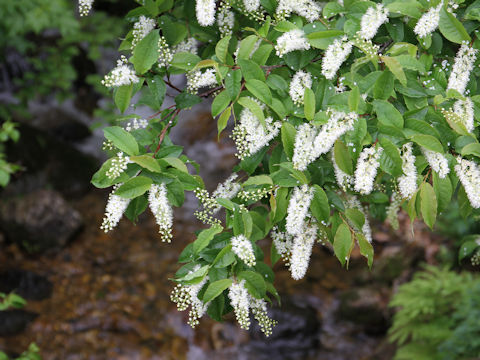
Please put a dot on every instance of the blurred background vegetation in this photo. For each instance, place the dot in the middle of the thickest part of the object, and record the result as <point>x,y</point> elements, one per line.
<point>98,297</point>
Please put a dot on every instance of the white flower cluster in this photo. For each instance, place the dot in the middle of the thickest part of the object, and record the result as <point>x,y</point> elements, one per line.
<point>437,162</point>
<point>428,23</point>
<point>118,166</point>
<point>141,29</point>
<point>123,74</point>
<point>205,12</point>
<point>464,110</point>
<point>225,20</point>
<point>302,250</point>
<point>335,55</point>
<point>251,5</point>
<point>305,150</point>
<point>353,203</point>
<point>114,210</point>
<point>165,55</point>
<point>392,209</point>
<point>468,173</point>
<point>344,180</point>
<point>187,295</point>
<point>283,244</point>
<point>242,247</point>
<point>161,209</point>
<point>372,20</point>
<point>136,124</point>
<point>291,41</point>
<point>226,190</point>
<point>462,67</point>
<point>309,9</point>
<point>298,209</point>
<point>300,81</point>
<point>84,7</point>
<point>407,183</point>
<point>189,45</point>
<point>242,302</point>
<point>367,165</point>
<point>250,135</point>
<point>198,79</point>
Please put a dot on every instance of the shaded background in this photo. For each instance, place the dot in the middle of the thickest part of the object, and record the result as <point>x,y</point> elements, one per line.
<point>106,296</point>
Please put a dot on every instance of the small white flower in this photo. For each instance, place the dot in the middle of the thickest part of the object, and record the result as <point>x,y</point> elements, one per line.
<point>189,45</point>
<point>240,301</point>
<point>407,183</point>
<point>242,247</point>
<point>84,7</point>
<point>309,9</point>
<point>437,162</point>
<point>344,180</point>
<point>428,23</point>
<point>338,124</point>
<point>304,148</point>
<point>198,79</point>
<point>291,41</point>
<point>136,124</point>
<point>300,81</point>
<point>462,67</point>
<point>283,243</point>
<point>206,12</point>
<point>302,250</point>
<point>123,74</point>
<point>335,55</point>
<point>118,166</point>
<point>367,165</point>
<point>464,110</point>
<point>114,210</point>
<point>298,209</point>
<point>141,29</point>
<point>161,209</point>
<point>225,20</point>
<point>468,173</point>
<point>251,5</point>
<point>165,55</point>
<point>372,20</point>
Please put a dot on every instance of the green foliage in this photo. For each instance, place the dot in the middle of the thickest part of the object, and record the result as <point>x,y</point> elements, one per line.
<point>11,300</point>
<point>32,353</point>
<point>393,88</point>
<point>436,316</point>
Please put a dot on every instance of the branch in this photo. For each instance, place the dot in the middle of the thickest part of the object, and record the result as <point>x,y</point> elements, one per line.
<point>164,131</point>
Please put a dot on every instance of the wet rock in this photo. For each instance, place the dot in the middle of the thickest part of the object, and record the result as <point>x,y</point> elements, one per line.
<point>294,337</point>
<point>39,221</point>
<point>25,283</point>
<point>365,307</point>
<point>48,162</point>
<point>13,322</point>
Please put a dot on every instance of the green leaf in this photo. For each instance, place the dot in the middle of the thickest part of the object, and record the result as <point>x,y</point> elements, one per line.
<point>468,247</point>
<point>174,162</point>
<point>215,289</point>
<point>356,217</point>
<point>136,207</point>
<point>251,70</point>
<point>342,157</point>
<point>223,120</point>
<point>387,114</point>
<point>321,39</point>
<point>233,83</point>
<point>309,106</point>
<point>122,97</point>
<point>145,53</point>
<point>428,142</point>
<point>147,162</point>
<point>134,187</point>
<point>204,238</point>
<point>224,258</point>
<point>452,28</point>
<point>260,90</point>
<point>185,61</point>
<point>156,93</point>
<point>443,190</point>
<point>100,179</point>
<point>186,100</point>
<point>383,86</point>
<point>121,139</point>
<point>428,204</point>
<point>221,50</point>
<point>176,193</point>
<point>390,158</point>
<point>471,149</point>
<point>246,47</point>
<point>354,99</point>
<point>258,180</point>
<point>319,206</point>
<point>405,7</point>
<point>253,107</point>
<point>366,249</point>
<point>220,103</point>
<point>288,134</point>
<point>173,31</point>
<point>343,244</point>
<point>254,283</point>
<point>395,67</point>
<point>285,26</point>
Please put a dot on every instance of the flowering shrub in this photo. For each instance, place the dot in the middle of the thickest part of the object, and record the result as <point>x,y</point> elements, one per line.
<point>342,111</point>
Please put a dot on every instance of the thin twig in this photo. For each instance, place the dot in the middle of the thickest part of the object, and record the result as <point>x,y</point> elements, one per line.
<point>164,131</point>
